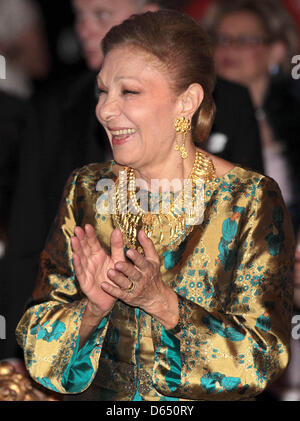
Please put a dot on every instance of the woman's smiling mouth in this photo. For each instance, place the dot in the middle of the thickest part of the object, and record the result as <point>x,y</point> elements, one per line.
<point>120,136</point>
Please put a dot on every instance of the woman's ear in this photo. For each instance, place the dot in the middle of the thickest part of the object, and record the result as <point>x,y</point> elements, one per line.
<point>191,100</point>
<point>278,53</point>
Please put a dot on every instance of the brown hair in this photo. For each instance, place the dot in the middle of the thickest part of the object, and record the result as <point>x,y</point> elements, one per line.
<point>275,19</point>
<point>182,46</point>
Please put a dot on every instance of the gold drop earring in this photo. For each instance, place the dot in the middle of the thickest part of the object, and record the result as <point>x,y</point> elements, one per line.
<point>182,126</point>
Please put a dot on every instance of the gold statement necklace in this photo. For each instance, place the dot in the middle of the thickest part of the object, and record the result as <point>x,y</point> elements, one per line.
<point>130,217</point>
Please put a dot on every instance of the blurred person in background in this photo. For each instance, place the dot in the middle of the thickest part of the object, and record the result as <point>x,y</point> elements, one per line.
<point>20,211</point>
<point>23,44</point>
<point>198,8</point>
<point>94,18</point>
<point>235,119</point>
<point>24,47</point>
<point>12,121</point>
<point>254,43</point>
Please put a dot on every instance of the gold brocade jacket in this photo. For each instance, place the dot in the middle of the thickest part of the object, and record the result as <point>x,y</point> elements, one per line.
<point>233,276</point>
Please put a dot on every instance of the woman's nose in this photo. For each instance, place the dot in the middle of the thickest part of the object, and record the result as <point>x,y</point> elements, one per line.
<point>107,109</point>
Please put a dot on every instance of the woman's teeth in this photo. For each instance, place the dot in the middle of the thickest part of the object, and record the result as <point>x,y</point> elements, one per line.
<point>122,132</point>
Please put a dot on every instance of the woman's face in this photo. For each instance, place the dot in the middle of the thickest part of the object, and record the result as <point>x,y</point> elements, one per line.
<point>242,52</point>
<point>94,18</point>
<point>137,107</point>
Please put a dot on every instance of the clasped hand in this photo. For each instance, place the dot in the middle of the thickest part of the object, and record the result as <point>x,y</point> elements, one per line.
<point>104,279</point>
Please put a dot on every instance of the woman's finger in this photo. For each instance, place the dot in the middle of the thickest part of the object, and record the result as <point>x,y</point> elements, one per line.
<point>77,248</point>
<point>77,264</point>
<point>92,239</point>
<point>128,270</point>
<point>112,290</point>
<point>139,261</point>
<point>79,259</point>
<point>78,268</point>
<point>148,246</point>
<point>75,243</point>
<point>79,232</point>
<point>117,246</point>
<point>82,237</point>
<point>119,279</point>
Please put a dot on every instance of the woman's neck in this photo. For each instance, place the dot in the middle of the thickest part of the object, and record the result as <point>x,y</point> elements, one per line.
<point>174,168</point>
<point>258,89</point>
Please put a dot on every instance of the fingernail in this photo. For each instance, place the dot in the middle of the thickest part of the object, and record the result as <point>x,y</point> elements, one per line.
<point>118,266</point>
<point>129,252</point>
<point>110,273</point>
<point>143,234</point>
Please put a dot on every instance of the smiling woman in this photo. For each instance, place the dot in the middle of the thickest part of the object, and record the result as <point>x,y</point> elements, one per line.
<point>128,108</point>
<point>147,305</point>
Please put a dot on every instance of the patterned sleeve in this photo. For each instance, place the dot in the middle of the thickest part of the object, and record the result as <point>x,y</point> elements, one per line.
<point>49,330</point>
<point>235,351</point>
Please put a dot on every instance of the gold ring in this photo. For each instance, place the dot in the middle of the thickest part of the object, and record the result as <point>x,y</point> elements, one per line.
<point>131,288</point>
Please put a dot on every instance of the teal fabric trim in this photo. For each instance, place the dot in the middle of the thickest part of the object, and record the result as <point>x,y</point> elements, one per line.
<point>172,344</point>
<point>168,398</point>
<point>80,369</point>
<point>137,397</point>
<point>171,258</point>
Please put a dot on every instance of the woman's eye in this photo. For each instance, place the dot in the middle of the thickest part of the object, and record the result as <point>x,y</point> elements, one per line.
<point>129,92</point>
<point>102,16</point>
<point>99,91</point>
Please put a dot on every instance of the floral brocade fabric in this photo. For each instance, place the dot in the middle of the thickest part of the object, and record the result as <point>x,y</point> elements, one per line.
<point>233,276</point>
